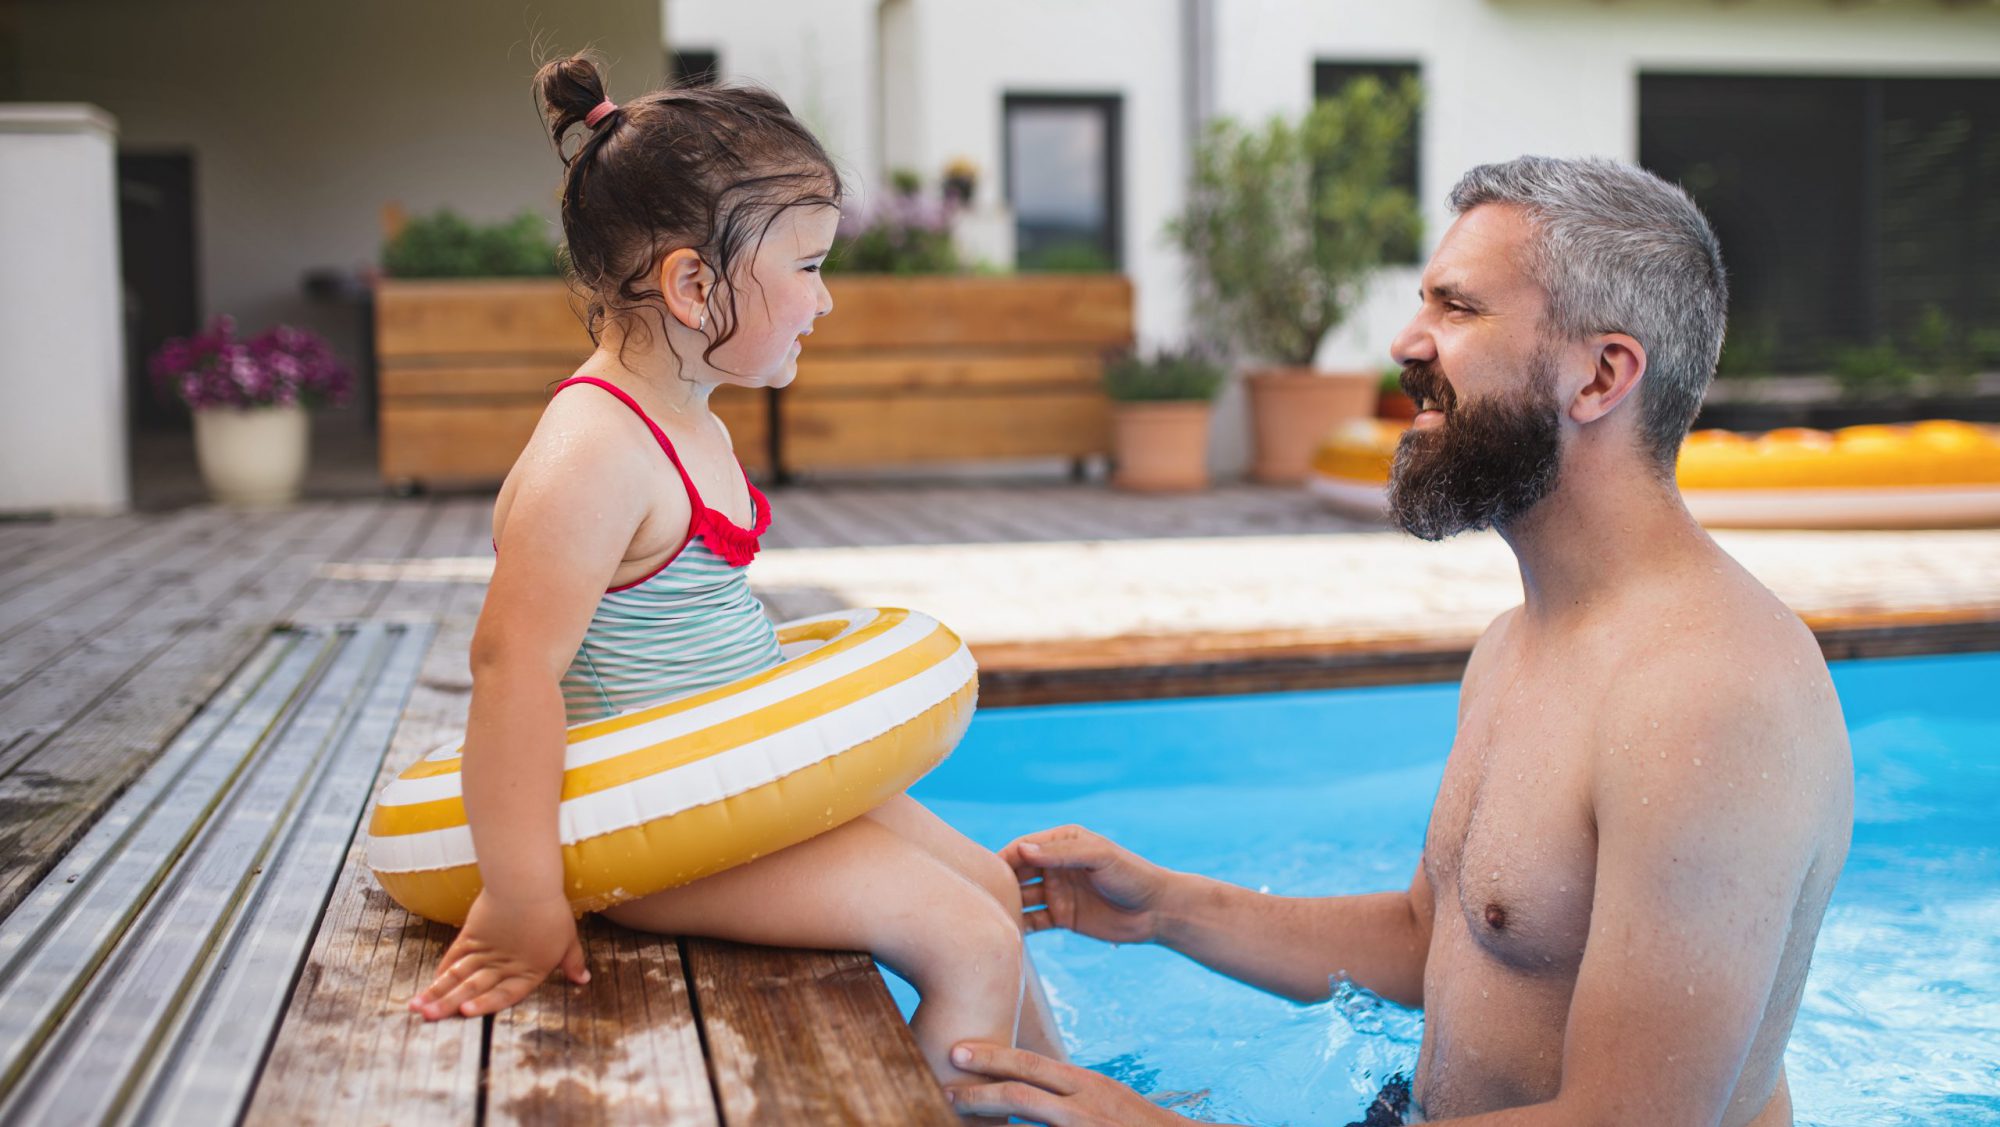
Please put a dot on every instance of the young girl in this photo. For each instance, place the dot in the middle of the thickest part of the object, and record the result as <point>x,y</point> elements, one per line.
<point>697,220</point>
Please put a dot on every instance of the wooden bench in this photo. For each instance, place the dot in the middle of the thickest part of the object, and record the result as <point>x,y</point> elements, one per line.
<point>213,949</point>
<point>909,371</point>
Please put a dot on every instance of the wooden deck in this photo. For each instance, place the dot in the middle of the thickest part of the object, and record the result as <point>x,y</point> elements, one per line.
<point>115,631</point>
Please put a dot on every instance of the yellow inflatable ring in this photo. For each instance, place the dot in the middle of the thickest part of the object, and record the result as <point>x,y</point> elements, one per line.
<point>864,704</point>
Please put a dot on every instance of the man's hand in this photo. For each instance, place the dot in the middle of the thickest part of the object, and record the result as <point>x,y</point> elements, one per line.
<point>505,950</point>
<point>1044,1091</point>
<point>1072,878</point>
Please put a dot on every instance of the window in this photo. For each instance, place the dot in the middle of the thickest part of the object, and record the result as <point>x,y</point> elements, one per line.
<point>1330,78</point>
<point>693,67</point>
<point>1063,181</point>
<point>1850,210</point>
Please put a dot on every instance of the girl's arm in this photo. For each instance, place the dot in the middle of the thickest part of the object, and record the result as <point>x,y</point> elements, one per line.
<point>567,519</point>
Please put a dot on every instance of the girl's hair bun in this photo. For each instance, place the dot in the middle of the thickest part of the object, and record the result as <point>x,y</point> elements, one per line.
<point>568,89</point>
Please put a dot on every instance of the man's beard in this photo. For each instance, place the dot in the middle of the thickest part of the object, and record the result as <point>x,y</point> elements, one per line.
<point>1489,463</point>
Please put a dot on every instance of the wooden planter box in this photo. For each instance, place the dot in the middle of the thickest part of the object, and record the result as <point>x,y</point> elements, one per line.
<point>466,366</point>
<point>939,369</point>
<point>906,371</point>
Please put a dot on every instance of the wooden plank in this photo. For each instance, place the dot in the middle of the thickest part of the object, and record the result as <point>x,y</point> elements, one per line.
<point>477,317</point>
<point>499,376</point>
<point>881,312</point>
<point>43,548</point>
<point>217,1050</point>
<point>436,441</point>
<point>78,767</point>
<point>401,527</point>
<point>837,373</point>
<point>348,1050</point>
<point>808,1038</point>
<point>149,999</point>
<point>123,565</point>
<point>61,932</point>
<point>622,1048</point>
<point>831,434</point>
<point>82,652</point>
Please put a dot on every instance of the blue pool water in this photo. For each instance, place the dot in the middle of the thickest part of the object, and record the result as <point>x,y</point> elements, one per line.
<point>1328,792</point>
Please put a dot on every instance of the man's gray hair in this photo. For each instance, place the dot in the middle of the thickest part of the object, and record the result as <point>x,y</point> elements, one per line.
<point>1616,249</point>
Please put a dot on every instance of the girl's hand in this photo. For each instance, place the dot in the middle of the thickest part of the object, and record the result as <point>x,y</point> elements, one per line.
<point>503,952</point>
<point>1072,878</point>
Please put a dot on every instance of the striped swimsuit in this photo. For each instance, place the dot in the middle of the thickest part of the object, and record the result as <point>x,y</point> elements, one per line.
<point>689,626</point>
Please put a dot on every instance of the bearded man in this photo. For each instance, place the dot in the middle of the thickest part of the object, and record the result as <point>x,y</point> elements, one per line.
<point>1649,796</point>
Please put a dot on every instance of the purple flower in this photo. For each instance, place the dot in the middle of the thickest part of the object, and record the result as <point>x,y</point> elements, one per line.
<point>281,366</point>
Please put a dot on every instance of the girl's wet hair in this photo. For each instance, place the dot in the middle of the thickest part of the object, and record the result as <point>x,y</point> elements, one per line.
<point>709,168</point>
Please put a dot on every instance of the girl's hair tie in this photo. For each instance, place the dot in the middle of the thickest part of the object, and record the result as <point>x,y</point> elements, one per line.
<point>598,114</point>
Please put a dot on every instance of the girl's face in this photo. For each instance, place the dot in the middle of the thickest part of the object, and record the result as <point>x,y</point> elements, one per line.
<point>779,298</point>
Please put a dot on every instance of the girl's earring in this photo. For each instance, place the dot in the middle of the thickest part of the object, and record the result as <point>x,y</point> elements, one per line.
<point>702,324</point>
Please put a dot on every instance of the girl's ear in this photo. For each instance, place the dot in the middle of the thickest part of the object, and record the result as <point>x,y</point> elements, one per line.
<point>686,283</point>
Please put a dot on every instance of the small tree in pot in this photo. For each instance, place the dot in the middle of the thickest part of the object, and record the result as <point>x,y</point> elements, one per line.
<point>1283,229</point>
<point>1159,419</point>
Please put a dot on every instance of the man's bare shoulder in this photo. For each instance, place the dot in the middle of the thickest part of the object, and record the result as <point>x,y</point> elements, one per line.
<point>1719,702</point>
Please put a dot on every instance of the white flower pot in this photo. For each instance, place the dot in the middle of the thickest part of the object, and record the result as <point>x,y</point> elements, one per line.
<point>252,456</point>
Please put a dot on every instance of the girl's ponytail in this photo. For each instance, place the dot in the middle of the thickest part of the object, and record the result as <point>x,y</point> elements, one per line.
<point>568,90</point>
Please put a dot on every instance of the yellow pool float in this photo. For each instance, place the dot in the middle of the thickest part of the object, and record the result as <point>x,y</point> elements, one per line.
<point>864,704</point>
<point>1936,474</point>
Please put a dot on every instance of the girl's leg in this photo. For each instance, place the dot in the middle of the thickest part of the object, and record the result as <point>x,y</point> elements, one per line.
<point>913,822</point>
<point>863,887</point>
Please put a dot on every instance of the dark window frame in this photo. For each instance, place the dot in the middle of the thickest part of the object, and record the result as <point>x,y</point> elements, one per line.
<point>694,66</point>
<point>1112,107</point>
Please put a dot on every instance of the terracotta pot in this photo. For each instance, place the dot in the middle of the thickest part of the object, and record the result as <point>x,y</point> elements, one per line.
<point>252,457</point>
<point>1160,447</point>
<point>1291,411</point>
<point>1395,405</point>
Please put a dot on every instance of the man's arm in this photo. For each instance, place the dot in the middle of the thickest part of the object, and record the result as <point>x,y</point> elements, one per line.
<point>1296,947</point>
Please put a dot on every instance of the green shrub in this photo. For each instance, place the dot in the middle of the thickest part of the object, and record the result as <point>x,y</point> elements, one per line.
<point>1071,256</point>
<point>1747,353</point>
<point>446,245</point>
<point>1938,349</point>
<point>1286,223</point>
<point>1875,369</point>
<point>1167,376</point>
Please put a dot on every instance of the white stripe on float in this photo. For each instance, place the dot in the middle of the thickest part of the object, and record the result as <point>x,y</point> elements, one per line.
<point>712,779</point>
<point>909,632</point>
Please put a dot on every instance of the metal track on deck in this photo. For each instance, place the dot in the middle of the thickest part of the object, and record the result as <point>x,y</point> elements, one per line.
<point>141,981</point>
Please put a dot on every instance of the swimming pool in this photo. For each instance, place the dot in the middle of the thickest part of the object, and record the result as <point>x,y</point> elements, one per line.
<point>1327,792</point>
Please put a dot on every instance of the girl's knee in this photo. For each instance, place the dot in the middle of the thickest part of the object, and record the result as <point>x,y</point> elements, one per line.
<point>1001,883</point>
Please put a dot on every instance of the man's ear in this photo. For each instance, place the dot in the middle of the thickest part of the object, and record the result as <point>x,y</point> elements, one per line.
<point>1618,364</point>
<point>686,283</point>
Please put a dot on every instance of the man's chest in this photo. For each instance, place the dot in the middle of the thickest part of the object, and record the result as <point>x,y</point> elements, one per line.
<point>1511,849</point>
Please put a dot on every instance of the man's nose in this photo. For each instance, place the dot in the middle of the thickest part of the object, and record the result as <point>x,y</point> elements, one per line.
<point>1413,344</point>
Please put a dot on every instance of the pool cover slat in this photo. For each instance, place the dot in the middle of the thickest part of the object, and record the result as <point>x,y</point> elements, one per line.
<point>143,979</point>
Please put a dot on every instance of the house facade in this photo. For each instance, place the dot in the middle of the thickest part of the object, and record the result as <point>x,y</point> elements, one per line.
<point>1848,151</point>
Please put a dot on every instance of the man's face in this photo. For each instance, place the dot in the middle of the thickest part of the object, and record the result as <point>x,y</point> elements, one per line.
<point>1486,446</point>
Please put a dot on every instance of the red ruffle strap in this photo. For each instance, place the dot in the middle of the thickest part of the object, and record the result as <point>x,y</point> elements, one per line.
<point>736,546</point>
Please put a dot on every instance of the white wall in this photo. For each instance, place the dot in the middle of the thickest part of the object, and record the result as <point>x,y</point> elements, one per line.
<point>305,119</point>
<point>62,402</point>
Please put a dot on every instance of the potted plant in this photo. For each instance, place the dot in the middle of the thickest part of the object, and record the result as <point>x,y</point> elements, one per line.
<point>1159,419</point>
<point>1284,227</point>
<point>1391,401</point>
<point>249,399</point>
